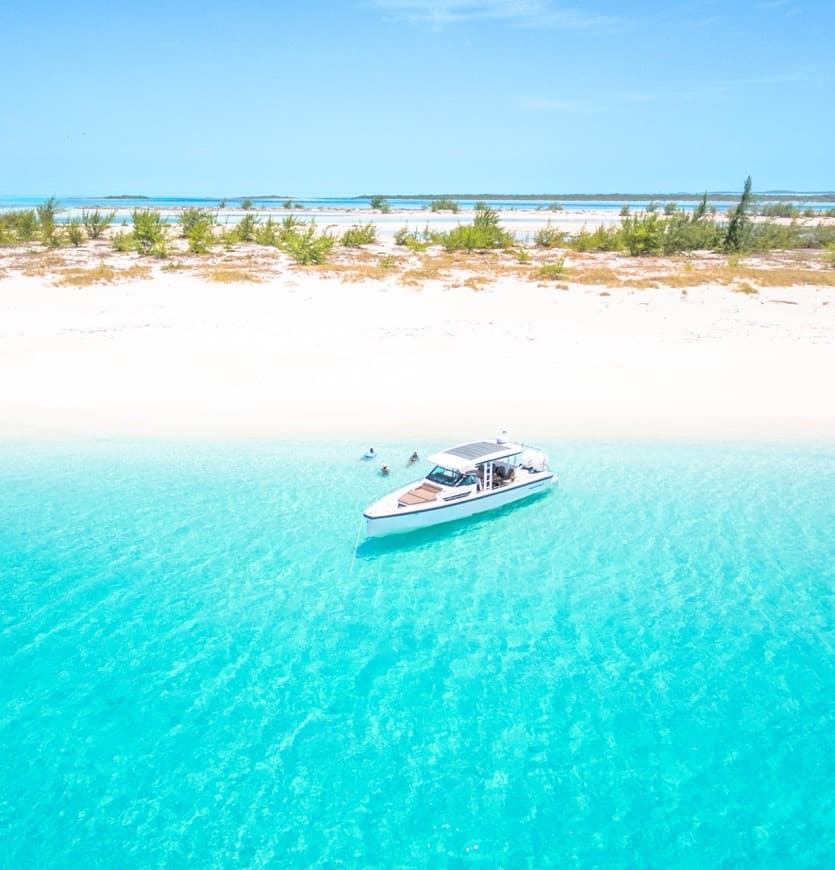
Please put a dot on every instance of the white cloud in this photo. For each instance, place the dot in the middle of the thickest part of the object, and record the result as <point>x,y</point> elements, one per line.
<point>517,13</point>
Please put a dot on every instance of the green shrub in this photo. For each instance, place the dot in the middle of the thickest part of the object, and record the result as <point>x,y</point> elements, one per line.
<point>200,237</point>
<point>20,225</point>
<point>359,234</point>
<point>387,262</point>
<point>652,207</point>
<point>602,239</point>
<point>96,222</point>
<point>669,208</point>
<point>380,203</point>
<point>74,231</point>
<point>549,237</point>
<point>412,239</point>
<point>552,271</point>
<point>148,231</point>
<point>190,218</point>
<point>290,223</point>
<point>307,247</point>
<point>46,221</point>
<point>739,223</point>
<point>691,232</point>
<point>247,204</point>
<point>443,204</point>
<point>123,241</point>
<point>266,234</point>
<point>779,209</point>
<point>484,233</point>
<point>288,203</point>
<point>402,236</point>
<point>625,210</point>
<point>245,230</point>
<point>642,234</point>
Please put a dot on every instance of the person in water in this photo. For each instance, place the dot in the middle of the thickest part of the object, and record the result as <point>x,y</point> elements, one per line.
<point>384,470</point>
<point>413,458</point>
<point>371,453</point>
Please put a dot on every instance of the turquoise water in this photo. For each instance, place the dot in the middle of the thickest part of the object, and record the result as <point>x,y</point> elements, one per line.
<point>73,205</point>
<point>636,670</point>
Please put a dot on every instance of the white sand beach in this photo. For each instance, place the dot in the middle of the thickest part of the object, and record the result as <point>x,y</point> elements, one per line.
<point>303,353</point>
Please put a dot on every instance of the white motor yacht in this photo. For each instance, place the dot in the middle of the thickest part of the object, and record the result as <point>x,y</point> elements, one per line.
<point>465,480</point>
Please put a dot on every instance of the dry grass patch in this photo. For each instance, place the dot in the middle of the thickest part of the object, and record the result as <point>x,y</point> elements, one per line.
<point>354,273</point>
<point>602,275</point>
<point>101,274</point>
<point>229,275</point>
<point>474,282</point>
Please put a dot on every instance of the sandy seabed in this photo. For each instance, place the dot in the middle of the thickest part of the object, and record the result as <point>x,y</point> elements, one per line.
<point>303,354</point>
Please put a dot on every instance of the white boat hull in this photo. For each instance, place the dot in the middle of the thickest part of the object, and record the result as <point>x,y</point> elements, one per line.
<point>390,520</point>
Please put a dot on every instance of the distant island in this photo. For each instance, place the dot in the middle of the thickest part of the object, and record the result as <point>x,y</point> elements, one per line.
<point>716,196</point>
<point>128,196</point>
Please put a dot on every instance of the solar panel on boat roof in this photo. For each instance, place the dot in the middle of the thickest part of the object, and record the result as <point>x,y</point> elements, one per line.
<point>474,450</point>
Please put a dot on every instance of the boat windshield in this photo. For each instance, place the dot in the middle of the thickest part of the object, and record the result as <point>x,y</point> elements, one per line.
<point>444,476</point>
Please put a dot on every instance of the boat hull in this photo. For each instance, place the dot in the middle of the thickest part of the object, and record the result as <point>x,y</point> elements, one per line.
<point>435,515</point>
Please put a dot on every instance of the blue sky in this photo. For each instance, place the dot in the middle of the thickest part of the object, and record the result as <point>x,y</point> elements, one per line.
<point>415,96</point>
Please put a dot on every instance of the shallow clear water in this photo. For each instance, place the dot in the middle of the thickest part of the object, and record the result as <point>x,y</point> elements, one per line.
<point>638,669</point>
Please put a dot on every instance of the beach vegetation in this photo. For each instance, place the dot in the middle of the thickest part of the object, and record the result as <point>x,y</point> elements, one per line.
<point>306,246</point>
<point>652,207</point>
<point>780,210</point>
<point>602,239</point>
<point>189,218</point>
<point>246,228</point>
<point>20,225</point>
<point>669,208</point>
<point>123,241</point>
<point>444,204</point>
<point>290,223</point>
<point>266,233</point>
<point>149,234</point>
<point>739,221</point>
<point>380,203</point>
<point>222,204</point>
<point>523,255</point>
<point>247,204</point>
<point>387,261</point>
<point>47,211</point>
<point>96,222</point>
<point>74,232</point>
<point>549,237</point>
<point>484,233</point>
<point>412,239</point>
<point>642,234</point>
<point>288,203</point>
<point>200,237</point>
<point>625,210</point>
<point>555,206</point>
<point>552,271</point>
<point>230,275</point>
<point>359,234</point>
<point>690,231</point>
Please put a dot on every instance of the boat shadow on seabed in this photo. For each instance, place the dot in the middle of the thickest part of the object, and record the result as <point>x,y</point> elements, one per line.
<point>420,539</point>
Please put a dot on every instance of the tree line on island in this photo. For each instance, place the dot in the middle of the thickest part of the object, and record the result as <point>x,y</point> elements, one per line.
<point>651,231</point>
